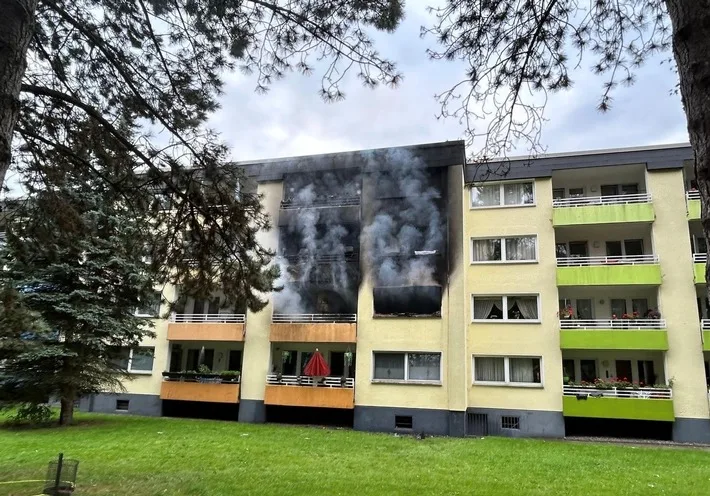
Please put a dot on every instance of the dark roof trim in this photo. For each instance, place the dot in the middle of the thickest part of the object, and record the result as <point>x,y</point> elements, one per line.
<point>443,154</point>
<point>654,157</point>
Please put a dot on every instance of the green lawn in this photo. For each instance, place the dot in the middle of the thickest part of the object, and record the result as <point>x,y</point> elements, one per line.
<point>148,456</point>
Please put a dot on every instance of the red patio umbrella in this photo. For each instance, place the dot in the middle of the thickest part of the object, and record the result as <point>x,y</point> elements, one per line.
<point>317,366</point>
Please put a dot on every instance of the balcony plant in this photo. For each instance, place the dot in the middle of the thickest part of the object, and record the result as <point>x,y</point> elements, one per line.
<point>566,313</point>
<point>230,376</point>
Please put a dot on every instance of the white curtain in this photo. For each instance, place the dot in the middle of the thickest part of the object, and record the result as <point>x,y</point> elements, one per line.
<point>485,250</point>
<point>424,366</point>
<point>491,369</point>
<point>389,366</point>
<point>520,248</point>
<point>523,369</point>
<point>526,305</point>
<point>482,307</point>
<point>485,196</point>
<point>517,194</point>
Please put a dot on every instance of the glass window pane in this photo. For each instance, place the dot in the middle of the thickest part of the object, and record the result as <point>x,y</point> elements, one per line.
<point>151,308</point>
<point>588,368</point>
<point>610,189</point>
<point>389,366</point>
<point>485,196</point>
<point>489,369</point>
<point>561,250</point>
<point>576,192</point>
<point>119,357</point>
<point>558,193</point>
<point>520,248</point>
<point>578,249</point>
<point>633,247</point>
<point>424,366</point>
<point>518,194</point>
<point>568,371</point>
<point>525,370</point>
<point>584,309</point>
<point>522,307</point>
<point>485,250</point>
<point>629,189</point>
<point>488,307</point>
<point>700,244</point>
<point>613,249</point>
<point>639,307</point>
<point>142,359</point>
<point>618,308</point>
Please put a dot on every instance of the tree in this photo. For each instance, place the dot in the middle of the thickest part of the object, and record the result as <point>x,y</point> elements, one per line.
<point>145,75</point>
<point>75,271</point>
<point>516,51</point>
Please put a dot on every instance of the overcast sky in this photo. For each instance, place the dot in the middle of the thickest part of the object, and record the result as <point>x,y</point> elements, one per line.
<point>291,119</point>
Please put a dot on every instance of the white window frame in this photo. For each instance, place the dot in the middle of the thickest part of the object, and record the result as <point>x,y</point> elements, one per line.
<point>503,251</point>
<point>502,204</point>
<point>137,313</point>
<point>506,371</point>
<point>505,319</point>
<point>421,382</point>
<point>130,370</point>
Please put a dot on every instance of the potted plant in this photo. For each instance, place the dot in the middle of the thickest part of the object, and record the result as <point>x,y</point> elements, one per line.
<point>230,376</point>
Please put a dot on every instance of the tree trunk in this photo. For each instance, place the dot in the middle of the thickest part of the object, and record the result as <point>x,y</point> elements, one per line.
<point>17,20</point>
<point>66,414</point>
<point>691,48</point>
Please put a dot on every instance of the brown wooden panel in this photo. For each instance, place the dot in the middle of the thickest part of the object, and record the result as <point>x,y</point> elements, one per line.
<point>196,391</point>
<point>314,332</point>
<point>205,331</point>
<point>320,397</point>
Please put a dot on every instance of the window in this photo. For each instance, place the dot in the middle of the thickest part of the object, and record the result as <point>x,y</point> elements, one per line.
<point>588,369</point>
<point>578,249</point>
<point>618,307</point>
<point>416,367</point>
<point>610,189</point>
<point>561,250</point>
<point>568,371</point>
<point>517,371</point>
<point>576,192</point>
<point>623,370</point>
<point>403,422</point>
<point>629,189</point>
<point>514,249</point>
<point>518,307</point>
<point>700,244</point>
<point>558,193</point>
<point>150,308</point>
<point>502,194</point>
<point>640,307</point>
<point>122,405</point>
<point>508,422</point>
<point>134,360</point>
<point>633,247</point>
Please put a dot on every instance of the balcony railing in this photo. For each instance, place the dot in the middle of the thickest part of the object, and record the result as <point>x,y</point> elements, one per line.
<point>304,318</point>
<point>302,380</point>
<point>705,324</point>
<point>612,324</point>
<point>638,393</point>
<point>215,318</point>
<point>692,195</point>
<point>623,260</point>
<point>602,200</point>
<point>700,257</point>
<point>323,258</point>
<point>346,201</point>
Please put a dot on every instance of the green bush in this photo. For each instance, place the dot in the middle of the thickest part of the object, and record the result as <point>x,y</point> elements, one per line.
<point>32,413</point>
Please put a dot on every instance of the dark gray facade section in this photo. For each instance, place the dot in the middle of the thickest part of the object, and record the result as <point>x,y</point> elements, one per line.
<point>691,430</point>
<point>383,419</point>
<point>442,154</point>
<point>530,423</point>
<point>252,411</point>
<point>138,404</point>
<point>457,424</point>
<point>670,157</point>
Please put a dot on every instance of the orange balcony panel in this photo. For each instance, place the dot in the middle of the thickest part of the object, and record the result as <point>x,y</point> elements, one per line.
<point>310,332</point>
<point>319,397</point>
<point>205,331</point>
<point>196,391</point>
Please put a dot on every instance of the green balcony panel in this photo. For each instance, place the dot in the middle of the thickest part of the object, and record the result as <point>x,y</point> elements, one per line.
<point>603,214</point>
<point>706,340</point>
<point>609,275</point>
<point>619,408</point>
<point>603,339</point>
<point>699,273</point>
<point>693,209</point>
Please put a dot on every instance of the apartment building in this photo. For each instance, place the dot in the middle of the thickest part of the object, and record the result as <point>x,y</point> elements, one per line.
<point>566,298</point>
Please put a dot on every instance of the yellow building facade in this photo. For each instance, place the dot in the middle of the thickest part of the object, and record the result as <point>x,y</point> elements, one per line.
<point>562,298</point>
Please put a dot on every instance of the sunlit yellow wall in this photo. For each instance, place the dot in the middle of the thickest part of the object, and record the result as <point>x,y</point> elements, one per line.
<point>256,342</point>
<point>415,334</point>
<point>510,339</point>
<point>676,296</point>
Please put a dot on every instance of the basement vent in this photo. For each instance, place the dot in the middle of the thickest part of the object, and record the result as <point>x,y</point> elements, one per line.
<point>507,422</point>
<point>403,422</point>
<point>476,424</point>
<point>122,405</point>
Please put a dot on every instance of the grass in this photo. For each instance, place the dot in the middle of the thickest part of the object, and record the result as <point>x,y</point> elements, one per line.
<point>161,456</point>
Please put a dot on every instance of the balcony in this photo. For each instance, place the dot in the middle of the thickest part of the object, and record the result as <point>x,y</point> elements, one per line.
<point>692,199</point>
<point>609,271</point>
<point>602,210</point>
<point>618,403</point>
<point>291,390</point>
<point>613,334</point>
<point>699,261</point>
<point>206,327</point>
<point>314,328</point>
<point>186,387</point>
<point>705,325</point>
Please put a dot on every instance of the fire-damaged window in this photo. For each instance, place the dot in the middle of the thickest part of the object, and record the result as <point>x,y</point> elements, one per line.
<point>406,238</point>
<point>322,188</point>
<point>513,307</point>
